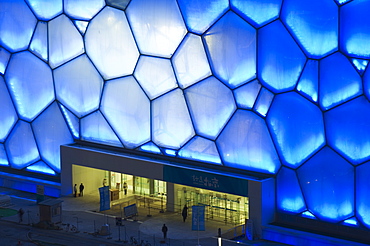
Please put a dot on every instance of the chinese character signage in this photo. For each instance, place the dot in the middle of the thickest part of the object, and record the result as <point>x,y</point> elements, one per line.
<point>104,198</point>
<point>203,180</point>
<point>198,222</point>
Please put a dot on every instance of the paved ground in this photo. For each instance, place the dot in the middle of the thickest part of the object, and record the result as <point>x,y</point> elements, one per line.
<point>82,212</point>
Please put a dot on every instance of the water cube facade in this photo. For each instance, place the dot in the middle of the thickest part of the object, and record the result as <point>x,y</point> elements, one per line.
<point>275,87</point>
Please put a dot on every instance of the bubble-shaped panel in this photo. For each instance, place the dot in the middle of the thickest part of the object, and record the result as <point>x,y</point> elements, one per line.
<point>39,44</point>
<point>3,156</point>
<point>200,149</point>
<point>127,110</point>
<point>4,59</point>
<point>65,41</point>
<point>151,147</point>
<point>16,24</point>
<point>199,15</point>
<point>211,104</point>
<point>41,167</point>
<point>83,9</point>
<point>263,102</point>
<point>289,194</point>
<point>172,126</point>
<point>110,44</point>
<point>315,27</point>
<point>190,61</point>
<point>95,128</point>
<point>297,128</point>
<point>355,30</point>
<point>72,121</point>
<point>46,9</point>
<point>363,193</point>
<point>339,81</point>
<point>360,65</point>
<point>245,143</point>
<point>279,69</point>
<point>21,146</point>
<point>81,26</point>
<point>366,83</point>
<point>155,75</point>
<point>347,129</point>
<point>8,115</point>
<point>27,76</point>
<point>246,95</point>
<point>232,51</point>
<point>51,131</point>
<point>157,26</point>
<point>78,86</point>
<point>327,181</point>
<point>257,12</point>
<point>308,84</point>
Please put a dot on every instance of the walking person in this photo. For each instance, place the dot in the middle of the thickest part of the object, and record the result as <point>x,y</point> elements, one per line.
<point>164,230</point>
<point>20,214</point>
<point>184,213</point>
<point>82,187</point>
<point>75,190</point>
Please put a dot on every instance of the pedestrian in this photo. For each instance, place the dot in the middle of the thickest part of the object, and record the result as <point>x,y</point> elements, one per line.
<point>164,230</point>
<point>104,182</point>
<point>20,214</point>
<point>125,188</point>
<point>184,213</point>
<point>82,187</point>
<point>75,190</point>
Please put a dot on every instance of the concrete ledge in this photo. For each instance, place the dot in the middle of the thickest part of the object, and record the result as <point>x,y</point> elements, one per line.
<point>295,237</point>
<point>28,184</point>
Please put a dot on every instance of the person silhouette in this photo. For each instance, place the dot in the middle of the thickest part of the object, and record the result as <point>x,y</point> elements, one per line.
<point>184,213</point>
<point>82,187</point>
<point>164,230</point>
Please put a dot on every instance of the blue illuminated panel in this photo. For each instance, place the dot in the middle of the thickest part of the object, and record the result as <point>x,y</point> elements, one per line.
<point>279,69</point>
<point>299,132</point>
<point>289,194</point>
<point>199,15</point>
<point>327,181</point>
<point>238,64</point>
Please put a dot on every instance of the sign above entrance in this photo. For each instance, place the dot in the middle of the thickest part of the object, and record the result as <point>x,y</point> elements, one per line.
<point>204,180</point>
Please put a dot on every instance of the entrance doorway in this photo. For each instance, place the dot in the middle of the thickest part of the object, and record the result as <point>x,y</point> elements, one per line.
<point>228,208</point>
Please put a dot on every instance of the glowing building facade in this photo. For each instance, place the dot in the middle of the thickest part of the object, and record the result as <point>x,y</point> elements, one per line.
<point>276,88</point>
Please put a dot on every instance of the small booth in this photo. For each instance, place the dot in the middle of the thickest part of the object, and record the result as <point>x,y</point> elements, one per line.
<point>51,210</point>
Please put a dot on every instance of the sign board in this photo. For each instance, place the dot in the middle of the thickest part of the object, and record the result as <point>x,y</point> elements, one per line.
<point>204,180</point>
<point>198,218</point>
<point>130,210</point>
<point>40,193</point>
<point>104,198</point>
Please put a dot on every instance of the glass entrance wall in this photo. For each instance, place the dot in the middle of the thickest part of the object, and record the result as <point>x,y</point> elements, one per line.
<point>219,206</point>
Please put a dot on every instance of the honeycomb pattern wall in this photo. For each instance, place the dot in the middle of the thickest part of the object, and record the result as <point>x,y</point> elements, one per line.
<point>277,87</point>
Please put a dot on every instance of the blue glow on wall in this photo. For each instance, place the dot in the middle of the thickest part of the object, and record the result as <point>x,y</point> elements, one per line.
<point>279,87</point>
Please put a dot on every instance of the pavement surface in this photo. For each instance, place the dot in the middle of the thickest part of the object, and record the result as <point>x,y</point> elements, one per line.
<point>88,226</point>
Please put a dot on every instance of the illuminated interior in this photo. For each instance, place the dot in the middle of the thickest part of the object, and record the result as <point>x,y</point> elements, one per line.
<point>275,87</point>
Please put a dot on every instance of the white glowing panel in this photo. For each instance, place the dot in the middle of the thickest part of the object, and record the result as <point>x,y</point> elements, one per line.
<point>39,44</point>
<point>46,9</point>
<point>127,110</point>
<point>78,86</point>
<point>155,75</point>
<point>21,146</point>
<point>30,83</point>
<point>83,9</point>
<point>190,61</point>
<point>110,44</point>
<point>51,131</point>
<point>171,122</point>
<point>65,41</point>
<point>157,26</point>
